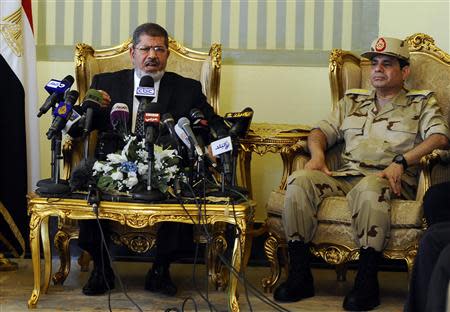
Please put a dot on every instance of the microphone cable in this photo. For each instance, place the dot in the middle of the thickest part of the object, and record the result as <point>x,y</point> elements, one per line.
<point>94,200</point>
<point>240,275</point>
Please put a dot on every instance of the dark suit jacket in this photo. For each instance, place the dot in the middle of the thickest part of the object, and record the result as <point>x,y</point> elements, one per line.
<point>177,95</point>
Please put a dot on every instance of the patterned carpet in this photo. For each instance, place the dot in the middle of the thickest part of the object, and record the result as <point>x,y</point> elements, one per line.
<point>16,287</point>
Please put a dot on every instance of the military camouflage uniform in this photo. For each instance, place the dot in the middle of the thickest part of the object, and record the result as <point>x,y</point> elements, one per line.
<point>372,139</point>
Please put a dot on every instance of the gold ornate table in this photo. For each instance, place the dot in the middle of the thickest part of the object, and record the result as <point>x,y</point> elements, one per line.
<point>136,215</point>
<point>274,138</point>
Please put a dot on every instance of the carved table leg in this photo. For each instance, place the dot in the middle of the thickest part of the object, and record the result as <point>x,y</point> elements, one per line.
<point>270,249</point>
<point>217,271</point>
<point>35,226</point>
<point>47,254</point>
<point>62,240</point>
<point>239,246</point>
<point>245,158</point>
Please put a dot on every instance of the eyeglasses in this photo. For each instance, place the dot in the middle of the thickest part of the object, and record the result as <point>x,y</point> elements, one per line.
<point>146,49</point>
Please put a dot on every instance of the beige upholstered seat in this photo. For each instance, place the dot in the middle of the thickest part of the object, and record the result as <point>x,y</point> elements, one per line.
<point>201,66</point>
<point>333,241</point>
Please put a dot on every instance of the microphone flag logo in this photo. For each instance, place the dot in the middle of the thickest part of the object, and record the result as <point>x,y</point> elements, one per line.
<point>145,91</point>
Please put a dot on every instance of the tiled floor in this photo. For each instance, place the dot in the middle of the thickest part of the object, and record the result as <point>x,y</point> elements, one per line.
<point>16,287</point>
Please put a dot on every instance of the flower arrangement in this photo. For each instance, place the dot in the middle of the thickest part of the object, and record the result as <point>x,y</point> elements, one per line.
<point>124,170</point>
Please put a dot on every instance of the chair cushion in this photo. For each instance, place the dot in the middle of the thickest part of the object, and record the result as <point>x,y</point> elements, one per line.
<point>404,213</point>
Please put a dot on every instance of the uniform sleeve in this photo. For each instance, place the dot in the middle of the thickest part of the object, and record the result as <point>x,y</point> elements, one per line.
<point>331,125</point>
<point>431,120</point>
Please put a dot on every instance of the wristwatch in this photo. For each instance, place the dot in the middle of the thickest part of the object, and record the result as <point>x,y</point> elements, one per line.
<point>400,159</point>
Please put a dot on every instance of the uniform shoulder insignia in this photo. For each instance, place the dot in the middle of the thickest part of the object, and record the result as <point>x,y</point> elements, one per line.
<point>424,93</point>
<point>358,92</point>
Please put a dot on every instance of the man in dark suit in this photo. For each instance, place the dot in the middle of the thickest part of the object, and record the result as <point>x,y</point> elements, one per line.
<point>174,94</point>
<point>430,277</point>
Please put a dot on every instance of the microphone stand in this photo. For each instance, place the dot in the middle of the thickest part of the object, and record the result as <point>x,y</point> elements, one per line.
<point>54,185</point>
<point>149,194</point>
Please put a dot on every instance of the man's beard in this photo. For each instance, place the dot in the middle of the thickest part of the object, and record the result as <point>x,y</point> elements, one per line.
<point>156,76</point>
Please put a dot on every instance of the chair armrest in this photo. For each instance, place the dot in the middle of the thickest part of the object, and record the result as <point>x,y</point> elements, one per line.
<point>435,169</point>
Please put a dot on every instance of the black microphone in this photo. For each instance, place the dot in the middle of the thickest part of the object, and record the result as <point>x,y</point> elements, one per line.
<point>200,127</point>
<point>62,113</point>
<point>225,158</point>
<point>240,122</point>
<point>75,124</point>
<point>91,105</point>
<point>82,175</point>
<point>184,124</point>
<point>168,121</point>
<point>57,90</point>
<point>145,92</point>
<point>151,122</point>
<point>119,117</point>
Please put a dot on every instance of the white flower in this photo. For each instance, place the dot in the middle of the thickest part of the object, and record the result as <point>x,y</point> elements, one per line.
<point>116,158</point>
<point>130,182</point>
<point>98,166</point>
<point>132,174</point>
<point>142,168</point>
<point>117,175</point>
<point>142,154</point>
<point>107,168</point>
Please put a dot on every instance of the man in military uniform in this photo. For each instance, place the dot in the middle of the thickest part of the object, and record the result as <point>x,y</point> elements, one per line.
<point>386,131</point>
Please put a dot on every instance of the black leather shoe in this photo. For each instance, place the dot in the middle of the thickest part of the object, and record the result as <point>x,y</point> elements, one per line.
<point>158,280</point>
<point>96,284</point>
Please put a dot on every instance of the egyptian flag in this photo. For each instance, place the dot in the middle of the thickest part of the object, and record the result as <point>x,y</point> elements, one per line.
<point>19,131</point>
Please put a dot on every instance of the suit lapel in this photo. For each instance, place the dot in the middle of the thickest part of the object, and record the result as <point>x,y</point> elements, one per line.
<point>126,87</point>
<point>165,92</point>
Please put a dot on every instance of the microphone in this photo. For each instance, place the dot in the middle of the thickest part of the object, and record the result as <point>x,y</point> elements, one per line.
<point>57,90</point>
<point>240,122</point>
<point>151,123</point>
<point>184,124</point>
<point>200,127</point>
<point>145,92</point>
<point>91,105</point>
<point>225,157</point>
<point>62,113</point>
<point>182,136</point>
<point>119,118</point>
<point>169,123</point>
<point>75,123</point>
<point>198,118</point>
<point>82,175</point>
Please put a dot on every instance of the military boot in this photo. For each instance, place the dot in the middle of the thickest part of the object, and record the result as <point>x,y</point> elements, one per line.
<point>300,283</point>
<point>365,294</point>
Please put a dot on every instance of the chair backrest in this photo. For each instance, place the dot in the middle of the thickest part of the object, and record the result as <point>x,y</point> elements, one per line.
<point>201,66</point>
<point>430,69</point>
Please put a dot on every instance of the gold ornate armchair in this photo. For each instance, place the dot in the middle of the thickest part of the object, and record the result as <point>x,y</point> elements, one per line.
<point>202,66</point>
<point>333,241</point>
